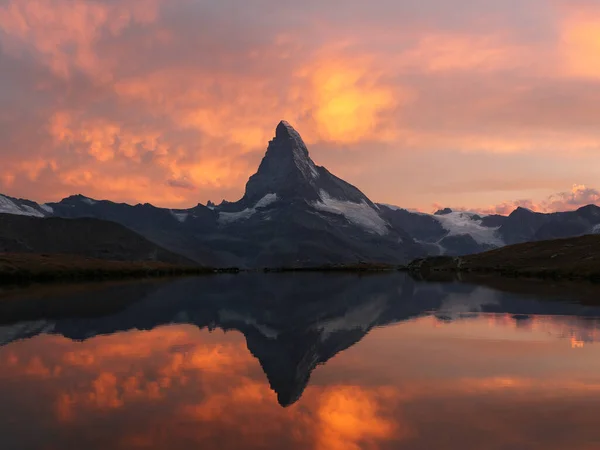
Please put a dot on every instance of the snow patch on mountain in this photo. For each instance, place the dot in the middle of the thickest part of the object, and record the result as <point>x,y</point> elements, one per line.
<point>266,201</point>
<point>230,217</point>
<point>459,223</point>
<point>88,201</point>
<point>8,206</point>
<point>180,216</point>
<point>361,214</point>
<point>596,229</point>
<point>47,208</point>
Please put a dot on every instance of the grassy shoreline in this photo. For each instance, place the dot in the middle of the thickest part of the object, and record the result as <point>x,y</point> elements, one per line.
<point>576,259</point>
<point>22,268</point>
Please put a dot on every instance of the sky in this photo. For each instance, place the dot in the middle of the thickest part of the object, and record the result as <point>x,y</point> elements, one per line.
<point>483,105</point>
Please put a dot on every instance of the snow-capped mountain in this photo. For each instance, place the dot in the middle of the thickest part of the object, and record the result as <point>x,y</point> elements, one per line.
<point>288,175</point>
<point>458,233</point>
<point>448,232</point>
<point>295,213</point>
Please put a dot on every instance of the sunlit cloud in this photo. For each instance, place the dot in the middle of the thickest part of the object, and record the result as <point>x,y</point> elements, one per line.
<point>349,418</point>
<point>577,197</point>
<point>347,100</point>
<point>581,41</point>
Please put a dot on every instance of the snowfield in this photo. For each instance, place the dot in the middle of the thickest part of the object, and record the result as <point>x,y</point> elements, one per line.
<point>89,201</point>
<point>7,206</point>
<point>360,214</point>
<point>180,216</point>
<point>226,218</point>
<point>458,223</point>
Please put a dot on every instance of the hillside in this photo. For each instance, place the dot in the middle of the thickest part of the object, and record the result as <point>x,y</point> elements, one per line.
<point>573,258</point>
<point>85,237</point>
<point>32,267</point>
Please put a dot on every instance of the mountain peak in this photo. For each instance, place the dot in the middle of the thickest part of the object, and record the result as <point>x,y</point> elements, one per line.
<point>443,212</point>
<point>284,129</point>
<point>291,141</point>
<point>286,169</point>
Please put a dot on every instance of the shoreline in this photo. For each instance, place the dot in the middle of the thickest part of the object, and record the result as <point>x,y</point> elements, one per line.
<point>24,268</point>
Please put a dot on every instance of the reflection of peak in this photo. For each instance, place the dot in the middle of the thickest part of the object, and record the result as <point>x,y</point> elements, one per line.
<point>289,359</point>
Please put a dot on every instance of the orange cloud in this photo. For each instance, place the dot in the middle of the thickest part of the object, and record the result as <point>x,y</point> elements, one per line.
<point>350,418</point>
<point>64,32</point>
<point>581,42</point>
<point>347,100</point>
<point>448,52</point>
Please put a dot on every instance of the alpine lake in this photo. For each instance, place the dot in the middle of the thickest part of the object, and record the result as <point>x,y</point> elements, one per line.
<point>299,361</point>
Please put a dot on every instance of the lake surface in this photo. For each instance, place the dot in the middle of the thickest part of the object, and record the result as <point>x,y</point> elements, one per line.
<point>303,361</point>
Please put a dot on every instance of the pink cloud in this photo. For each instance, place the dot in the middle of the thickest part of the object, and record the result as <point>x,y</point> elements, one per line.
<point>579,196</point>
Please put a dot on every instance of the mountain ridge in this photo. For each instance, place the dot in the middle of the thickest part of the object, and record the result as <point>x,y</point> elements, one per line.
<point>295,213</point>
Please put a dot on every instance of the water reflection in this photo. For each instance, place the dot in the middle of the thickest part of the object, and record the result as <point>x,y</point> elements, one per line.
<point>183,364</point>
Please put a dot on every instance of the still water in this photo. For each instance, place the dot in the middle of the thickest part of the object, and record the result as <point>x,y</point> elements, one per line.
<point>307,361</point>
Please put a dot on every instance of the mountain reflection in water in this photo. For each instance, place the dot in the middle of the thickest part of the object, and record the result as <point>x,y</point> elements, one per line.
<point>404,364</point>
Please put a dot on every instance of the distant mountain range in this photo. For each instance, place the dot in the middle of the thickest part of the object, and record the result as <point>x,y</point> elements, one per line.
<point>295,213</point>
